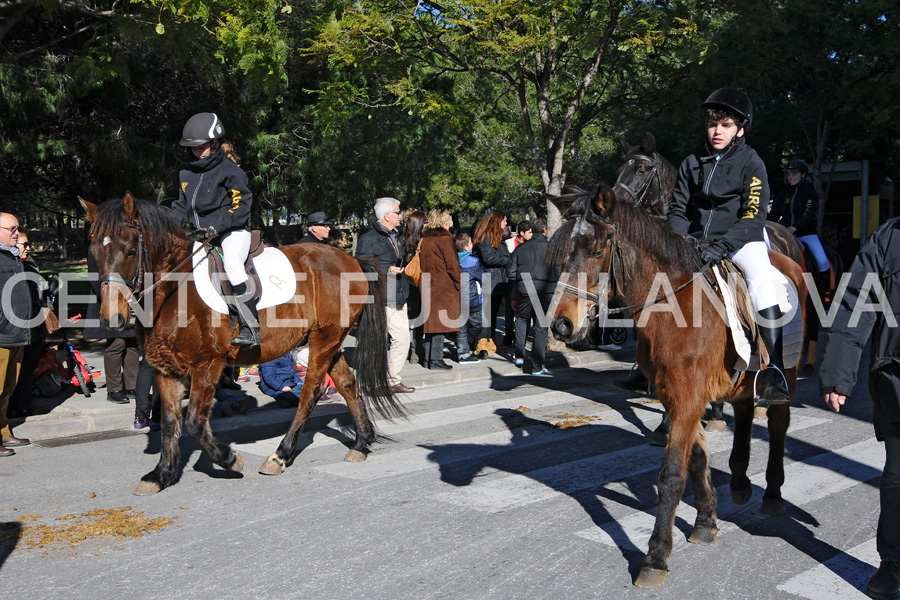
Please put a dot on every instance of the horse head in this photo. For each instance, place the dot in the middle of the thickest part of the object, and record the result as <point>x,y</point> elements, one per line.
<point>646,177</point>
<point>118,247</point>
<point>582,250</point>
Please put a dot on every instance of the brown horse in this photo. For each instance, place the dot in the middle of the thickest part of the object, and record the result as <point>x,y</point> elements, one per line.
<point>688,364</point>
<point>133,240</point>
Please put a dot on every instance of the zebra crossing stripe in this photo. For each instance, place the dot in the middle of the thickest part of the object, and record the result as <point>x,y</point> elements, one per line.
<point>516,491</point>
<point>441,418</point>
<point>807,481</point>
<point>842,577</point>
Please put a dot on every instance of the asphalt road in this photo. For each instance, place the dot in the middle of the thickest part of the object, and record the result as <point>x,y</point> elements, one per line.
<point>503,488</point>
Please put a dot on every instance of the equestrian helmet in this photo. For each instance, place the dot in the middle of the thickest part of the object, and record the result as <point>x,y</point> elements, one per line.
<point>733,100</point>
<point>797,165</point>
<point>201,129</point>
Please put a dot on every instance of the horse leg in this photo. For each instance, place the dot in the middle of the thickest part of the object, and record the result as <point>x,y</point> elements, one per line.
<point>197,421</point>
<point>165,474</point>
<point>345,383</point>
<point>324,346</point>
<point>716,416</point>
<point>779,420</point>
<point>670,485</point>
<point>660,435</point>
<point>705,529</point>
<point>740,450</point>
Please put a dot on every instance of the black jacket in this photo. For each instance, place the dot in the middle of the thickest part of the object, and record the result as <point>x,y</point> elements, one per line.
<point>20,301</point>
<point>311,239</point>
<point>494,261</point>
<point>528,257</point>
<point>213,192</point>
<point>721,200</point>
<point>796,206</point>
<point>881,257</point>
<point>384,245</point>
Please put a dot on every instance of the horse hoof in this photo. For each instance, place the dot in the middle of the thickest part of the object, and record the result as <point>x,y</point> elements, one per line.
<point>715,425</point>
<point>147,488</point>
<point>741,496</point>
<point>272,466</point>
<point>703,536</point>
<point>760,412</point>
<point>773,506</point>
<point>650,579</point>
<point>238,465</point>
<point>658,438</point>
<point>355,456</point>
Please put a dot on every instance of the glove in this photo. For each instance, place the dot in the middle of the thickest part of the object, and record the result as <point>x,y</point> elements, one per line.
<point>199,235</point>
<point>211,232</point>
<point>714,252</point>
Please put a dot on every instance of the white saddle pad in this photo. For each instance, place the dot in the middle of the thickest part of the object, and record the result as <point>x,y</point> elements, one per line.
<point>792,332</point>
<point>275,272</point>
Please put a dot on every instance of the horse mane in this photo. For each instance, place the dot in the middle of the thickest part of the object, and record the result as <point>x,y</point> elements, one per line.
<point>633,223</point>
<point>152,217</point>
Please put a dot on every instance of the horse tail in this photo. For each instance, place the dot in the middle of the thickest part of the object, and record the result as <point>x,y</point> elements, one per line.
<point>372,341</point>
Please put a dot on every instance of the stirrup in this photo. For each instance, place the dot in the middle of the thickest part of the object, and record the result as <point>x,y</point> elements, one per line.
<point>246,337</point>
<point>764,401</point>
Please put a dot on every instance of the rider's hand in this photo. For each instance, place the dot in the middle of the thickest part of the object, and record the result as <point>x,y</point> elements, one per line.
<point>211,232</point>
<point>714,252</point>
<point>199,235</point>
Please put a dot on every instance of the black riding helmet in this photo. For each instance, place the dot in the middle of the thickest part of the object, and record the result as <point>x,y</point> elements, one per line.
<point>202,128</point>
<point>797,165</point>
<point>732,100</point>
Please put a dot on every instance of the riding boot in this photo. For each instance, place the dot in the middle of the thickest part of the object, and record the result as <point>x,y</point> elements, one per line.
<point>245,306</point>
<point>772,382</point>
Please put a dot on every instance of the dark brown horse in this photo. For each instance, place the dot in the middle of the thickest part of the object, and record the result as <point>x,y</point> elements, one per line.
<point>134,241</point>
<point>688,361</point>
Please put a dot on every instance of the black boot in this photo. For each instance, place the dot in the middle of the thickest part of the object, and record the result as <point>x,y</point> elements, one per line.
<point>245,306</point>
<point>772,384</point>
<point>885,583</point>
<point>636,382</point>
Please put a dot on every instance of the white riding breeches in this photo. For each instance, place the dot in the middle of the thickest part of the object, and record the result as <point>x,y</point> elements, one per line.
<point>815,246</point>
<point>753,258</point>
<point>235,248</point>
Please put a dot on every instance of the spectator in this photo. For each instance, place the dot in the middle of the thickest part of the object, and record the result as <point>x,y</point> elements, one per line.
<point>318,228</point>
<point>382,244</point>
<point>121,357</point>
<point>837,376</point>
<point>410,238</point>
<point>147,411</point>
<point>494,256</point>
<point>213,196</point>
<point>470,296</point>
<point>13,338</point>
<point>535,284</point>
<point>440,291</point>
<point>523,234</point>
<point>20,403</point>
<point>283,379</point>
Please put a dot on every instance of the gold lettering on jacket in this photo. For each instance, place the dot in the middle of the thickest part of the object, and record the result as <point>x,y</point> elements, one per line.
<point>753,204</point>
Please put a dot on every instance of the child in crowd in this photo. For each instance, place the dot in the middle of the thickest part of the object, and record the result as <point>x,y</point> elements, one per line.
<point>470,319</point>
<point>283,379</point>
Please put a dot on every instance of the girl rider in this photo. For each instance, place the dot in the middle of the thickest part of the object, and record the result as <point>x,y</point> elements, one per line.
<point>213,195</point>
<point>721,197</point>
<point>796,207</point>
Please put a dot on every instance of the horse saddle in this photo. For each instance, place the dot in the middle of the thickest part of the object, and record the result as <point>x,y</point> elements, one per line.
<point>271,271</point>
<point>751,351</point>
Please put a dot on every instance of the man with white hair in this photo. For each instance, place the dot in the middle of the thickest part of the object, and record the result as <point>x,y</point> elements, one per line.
<point>382,243</point>
<point>13,336</point>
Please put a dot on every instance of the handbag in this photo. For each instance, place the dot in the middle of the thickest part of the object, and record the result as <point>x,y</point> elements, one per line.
<point>51,322</point>
<point>413,268</point>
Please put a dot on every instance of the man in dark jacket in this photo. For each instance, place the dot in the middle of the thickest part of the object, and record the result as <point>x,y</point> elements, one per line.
<point>381,243</point>
<point>317,229</point>
<point>874,271</point>
<point>535,284</point>
<point>14,334</point>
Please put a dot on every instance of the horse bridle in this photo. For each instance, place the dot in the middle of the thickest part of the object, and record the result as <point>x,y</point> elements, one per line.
<point>639,195</point>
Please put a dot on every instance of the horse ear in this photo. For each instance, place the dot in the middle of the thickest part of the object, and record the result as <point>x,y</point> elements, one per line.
<point>90,209</point>
<point>605,200</point>
<point>130,210</point>
<point>649,144</point>
<point>626,147</point>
